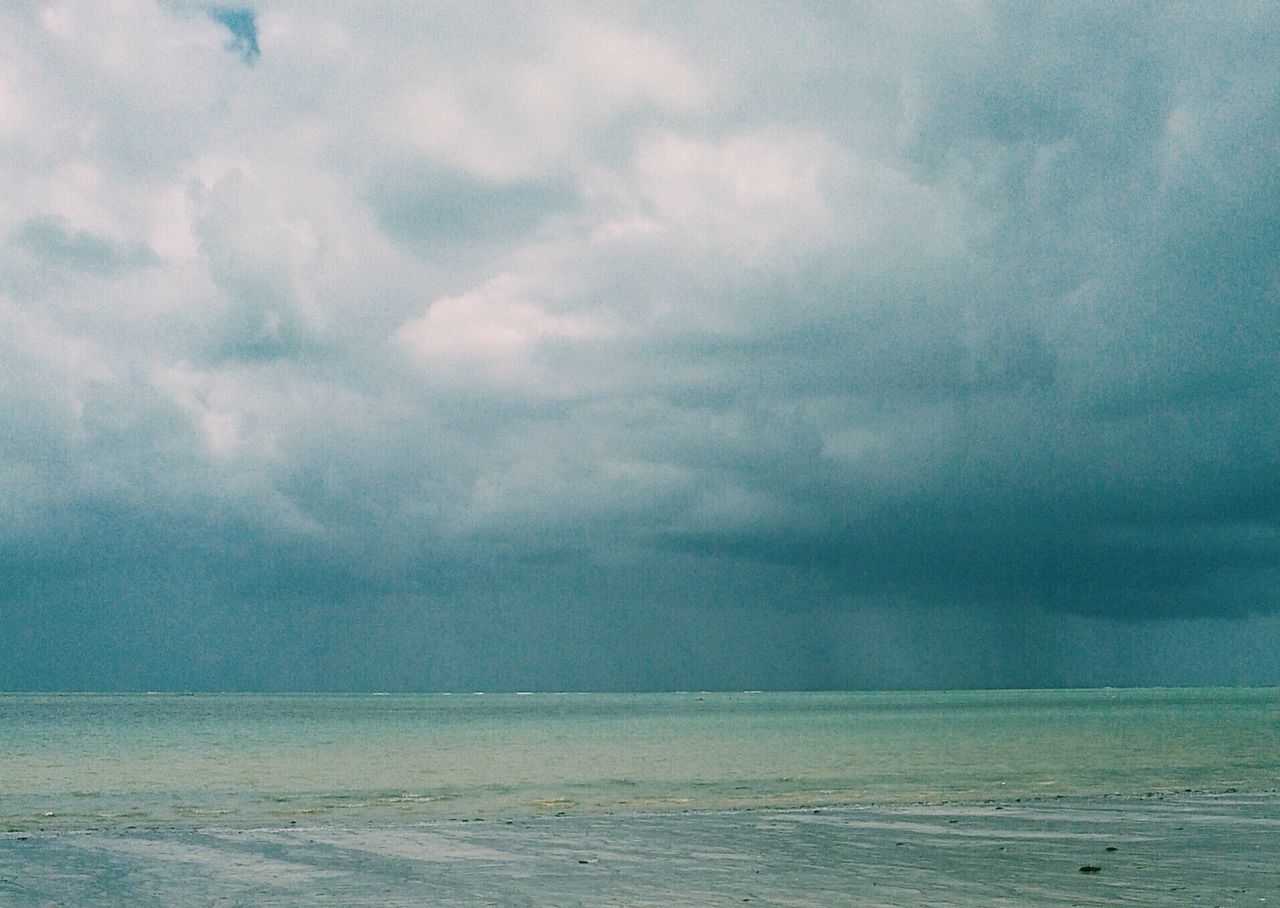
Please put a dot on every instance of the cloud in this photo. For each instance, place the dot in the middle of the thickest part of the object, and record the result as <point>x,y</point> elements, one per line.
<point>441,215</point>
<point>260,260</point>
<point>490,334</point>
<point>49,241</point>
<point>604,322</point>
<point>529,110</point>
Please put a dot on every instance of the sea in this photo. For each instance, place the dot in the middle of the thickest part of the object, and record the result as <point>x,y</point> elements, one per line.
<point>79,761</point>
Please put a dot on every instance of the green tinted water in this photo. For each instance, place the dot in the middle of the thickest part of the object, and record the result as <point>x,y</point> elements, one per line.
<point>90,760</point>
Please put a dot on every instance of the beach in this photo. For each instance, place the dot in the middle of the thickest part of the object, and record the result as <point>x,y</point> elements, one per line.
<point>1088,797</point>
<point>1188,848</point>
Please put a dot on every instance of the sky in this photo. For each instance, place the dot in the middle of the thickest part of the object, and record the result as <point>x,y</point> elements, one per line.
<point>441,346</point>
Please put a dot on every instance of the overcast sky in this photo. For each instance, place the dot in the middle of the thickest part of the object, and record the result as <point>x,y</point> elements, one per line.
<point>541,346</point>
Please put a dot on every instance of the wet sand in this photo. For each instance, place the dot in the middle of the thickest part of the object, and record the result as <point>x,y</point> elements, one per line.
<point>1176,850</point>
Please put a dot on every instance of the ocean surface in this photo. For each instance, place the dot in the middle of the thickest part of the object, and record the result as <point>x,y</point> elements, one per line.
<point>116,761</point>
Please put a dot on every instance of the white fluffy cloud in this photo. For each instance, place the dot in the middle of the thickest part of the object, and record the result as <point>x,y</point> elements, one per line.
<point>491,334</point>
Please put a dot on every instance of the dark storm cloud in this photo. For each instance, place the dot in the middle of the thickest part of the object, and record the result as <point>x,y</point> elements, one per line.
<point>781,347</point>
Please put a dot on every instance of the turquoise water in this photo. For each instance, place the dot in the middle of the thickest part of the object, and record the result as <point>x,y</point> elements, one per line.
<point>111,760</point>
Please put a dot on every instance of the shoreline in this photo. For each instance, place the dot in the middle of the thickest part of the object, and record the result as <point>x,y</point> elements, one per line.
<point>385,817</point>
<point>1176,847</point>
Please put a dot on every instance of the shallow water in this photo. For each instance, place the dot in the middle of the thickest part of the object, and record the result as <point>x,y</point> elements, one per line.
<point>118,760</point>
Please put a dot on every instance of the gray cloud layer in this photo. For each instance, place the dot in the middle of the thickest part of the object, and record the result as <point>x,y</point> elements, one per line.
<point>681,346</point>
